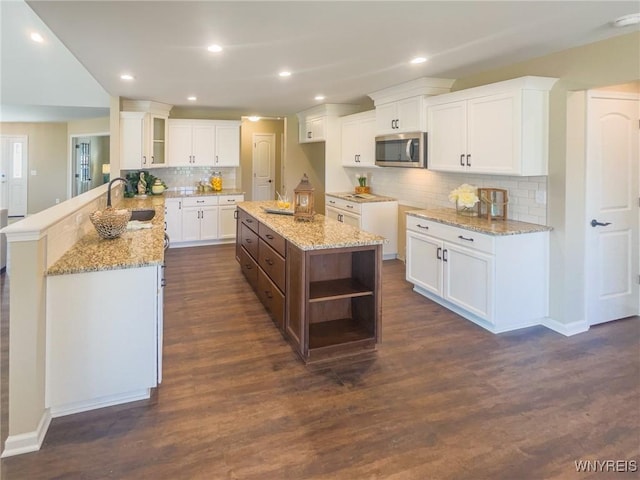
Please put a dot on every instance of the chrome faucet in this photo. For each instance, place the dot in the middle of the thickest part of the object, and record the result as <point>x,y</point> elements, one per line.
<point>126,182</point>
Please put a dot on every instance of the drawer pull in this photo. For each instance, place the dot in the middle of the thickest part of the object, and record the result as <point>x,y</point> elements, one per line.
<point>331,201</point>
<point>268,261</point>
<point>268,294</point>
<point>465,238</point>
<point>248,265</point>
<point>349,206</point>
<point>249,220</point>
<point>199,201</point>
<point>232,200</point>
<point>270,237</point>
<point>248,240</point>
<point>426,227</point>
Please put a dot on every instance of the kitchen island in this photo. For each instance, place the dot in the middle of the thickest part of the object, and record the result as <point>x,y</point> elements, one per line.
<point>319,280</point>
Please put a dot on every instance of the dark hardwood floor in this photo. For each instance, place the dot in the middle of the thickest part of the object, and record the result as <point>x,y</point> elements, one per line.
<point>440,399</point>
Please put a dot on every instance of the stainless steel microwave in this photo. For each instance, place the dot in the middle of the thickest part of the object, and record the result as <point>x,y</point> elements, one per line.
<point>402,150</point>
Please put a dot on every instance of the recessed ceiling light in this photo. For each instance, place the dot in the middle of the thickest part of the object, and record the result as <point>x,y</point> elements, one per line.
<point>417,60</point>
<point>192,98</point>
<point>285,74</point>
<point>36,37</point>
<point>126,76</point>
<point>254,118</point>
<point>319,97</point>
<point>626,20</point>
<point>214,48</point>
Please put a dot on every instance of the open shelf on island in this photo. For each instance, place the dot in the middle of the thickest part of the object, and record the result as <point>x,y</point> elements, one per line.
<point>337,332</point>
<point>337,288</point>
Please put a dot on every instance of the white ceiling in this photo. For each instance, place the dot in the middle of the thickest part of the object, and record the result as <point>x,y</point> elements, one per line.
<point>343,50</point>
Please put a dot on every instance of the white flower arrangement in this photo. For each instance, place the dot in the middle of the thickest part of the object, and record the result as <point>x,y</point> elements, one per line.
<point>465,196</point>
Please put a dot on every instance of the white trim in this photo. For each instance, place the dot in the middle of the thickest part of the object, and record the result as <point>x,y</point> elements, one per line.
<point>101,402</point>
<point>566,329</point>
<point>30,441</point>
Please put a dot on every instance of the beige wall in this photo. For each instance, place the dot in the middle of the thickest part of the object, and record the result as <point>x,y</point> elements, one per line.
<point>609,62</point>
<point>89,126</point>
<point>247,129</point>
<point>47,147</point>
<point>304,158</point>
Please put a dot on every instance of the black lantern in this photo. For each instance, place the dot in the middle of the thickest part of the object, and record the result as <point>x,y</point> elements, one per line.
<point>303,200</point>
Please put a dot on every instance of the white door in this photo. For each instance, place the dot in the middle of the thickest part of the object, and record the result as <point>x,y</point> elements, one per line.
<point>227,146</point>
<point>227,222</point>
<point>612,244</point>
<point>424,262</point>
<point>13,175</point>
<point>264,166</point>
<point>447,141</point>
<point>179,145</point>
<point>208,223</point>
<point>191,224</point>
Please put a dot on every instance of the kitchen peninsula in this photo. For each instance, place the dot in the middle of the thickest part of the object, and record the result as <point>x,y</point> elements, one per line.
<point>320,280</point>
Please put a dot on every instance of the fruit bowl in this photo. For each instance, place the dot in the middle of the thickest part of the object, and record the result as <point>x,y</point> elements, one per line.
<point>110,223</point>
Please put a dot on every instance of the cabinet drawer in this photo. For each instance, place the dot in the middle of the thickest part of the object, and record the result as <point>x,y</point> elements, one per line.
<point>275,240</point>
<point>249,268</point>
<point>271,263</point>
<point>271,298</point>
<point>230,199</point>
<point>343,204</point>
<point>203,201</point>
<point>248,220</point>
<point>249,240</point>
<point>459,236</point>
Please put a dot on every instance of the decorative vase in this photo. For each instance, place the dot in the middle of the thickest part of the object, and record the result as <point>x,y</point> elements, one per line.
<point>466,211</point>
<point>363,189</point>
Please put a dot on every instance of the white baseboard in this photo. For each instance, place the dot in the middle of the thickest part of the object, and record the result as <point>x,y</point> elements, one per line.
<point>566,329</point>
<point>30,441</point>
<point>77,407</point>
<point>201,243</point>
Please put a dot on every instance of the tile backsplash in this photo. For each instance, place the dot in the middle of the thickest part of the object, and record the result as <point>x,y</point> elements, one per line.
<point>179,177</point>
<point>423,188</point>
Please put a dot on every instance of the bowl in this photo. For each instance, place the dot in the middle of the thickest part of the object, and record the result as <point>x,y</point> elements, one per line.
<point>110,223</point>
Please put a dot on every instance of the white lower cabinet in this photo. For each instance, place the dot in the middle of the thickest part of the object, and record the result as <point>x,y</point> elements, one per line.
<point>497,281</point>
<point>104,338</point>
<point>380,218</point>
<point>200,219</point>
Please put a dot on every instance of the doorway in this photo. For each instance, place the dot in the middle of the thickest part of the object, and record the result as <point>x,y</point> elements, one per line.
<point>612,217</point>
<point>14,164</point>
<point>264,166</point>
<point>90,166</point>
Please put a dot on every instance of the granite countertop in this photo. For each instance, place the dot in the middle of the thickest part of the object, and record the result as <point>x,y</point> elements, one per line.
<point>135,248</point>
<point>321,233</point>
<point>448,216</point>
<point>352,197</point>
<point>195,193</point>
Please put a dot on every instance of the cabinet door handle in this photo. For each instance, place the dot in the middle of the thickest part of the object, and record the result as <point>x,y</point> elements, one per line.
<point>426,227</point>
<point>269,236</point>
<point>439,253</point>
<point>144,160</point>
<point>235,214</point>
<point>308,134</point>
<point>462,160</point>
<point>216,158</point>
<point>153,159</point>
<point>165,226</point>
<point>349,206</point>
<point>180,205</point>
<point>444,255</point>
<point>339,217</point>
<point>468,160</point>
<point>470,239</point>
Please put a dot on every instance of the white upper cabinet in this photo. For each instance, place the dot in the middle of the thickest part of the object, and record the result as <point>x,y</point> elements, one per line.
<point>498,129</point>
<point>358,137</point>
<point>320,123</point>
<point>143,134</point>
<point>204,143</point>
<point>400,108</point>
<point>227,144</point>
<point>403,116</point>
<point>312,129</point>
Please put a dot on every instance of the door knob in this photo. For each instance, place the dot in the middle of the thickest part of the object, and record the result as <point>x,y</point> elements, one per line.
<point>595,223</point>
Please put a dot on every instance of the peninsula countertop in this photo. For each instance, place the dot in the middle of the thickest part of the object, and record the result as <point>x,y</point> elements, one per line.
<point>181,193</point>
<point>358,198</point>
<point>321,233</point>
<point>448,216</point>
<point>135,248</point>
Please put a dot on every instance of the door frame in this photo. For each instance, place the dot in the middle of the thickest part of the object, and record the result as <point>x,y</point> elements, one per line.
<point>590,95</point>
<point>70,156</point>
<point>253,166</point>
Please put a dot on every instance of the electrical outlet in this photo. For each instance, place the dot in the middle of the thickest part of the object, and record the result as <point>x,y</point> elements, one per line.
<point>34,173</point>
<point>541,197</point>
<point>57,201</point>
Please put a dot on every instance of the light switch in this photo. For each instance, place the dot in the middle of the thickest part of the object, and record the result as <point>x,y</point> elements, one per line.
<point>34,173</point>
<point>541,197</point>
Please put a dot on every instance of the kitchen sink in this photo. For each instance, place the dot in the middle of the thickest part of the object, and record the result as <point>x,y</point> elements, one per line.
<point>142,215</point>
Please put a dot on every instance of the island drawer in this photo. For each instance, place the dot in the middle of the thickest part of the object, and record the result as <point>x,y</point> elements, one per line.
<point>248,220</point>
<point>249,268</point>
<point>271,298</point>
<point>204,201</point>
<point>272,263</point>
<point>275,240</point>
<point>249,240</point>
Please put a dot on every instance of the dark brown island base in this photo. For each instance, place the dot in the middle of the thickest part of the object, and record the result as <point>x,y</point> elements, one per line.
<point>319,280</point>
